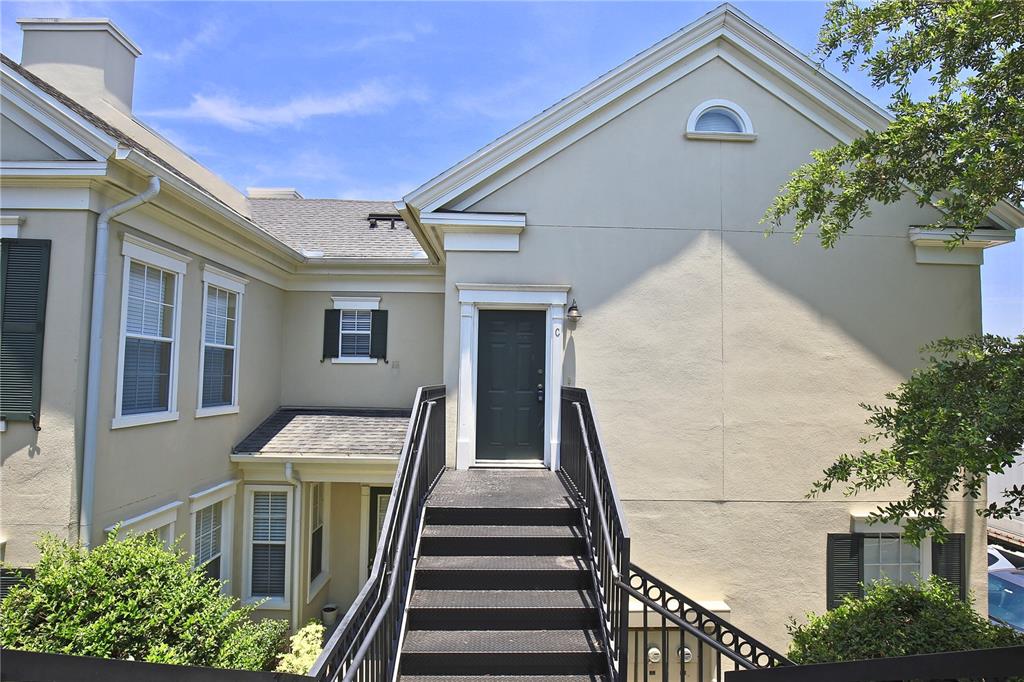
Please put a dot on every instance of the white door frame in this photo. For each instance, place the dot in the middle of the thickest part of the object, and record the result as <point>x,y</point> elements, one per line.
<point>473,298</point>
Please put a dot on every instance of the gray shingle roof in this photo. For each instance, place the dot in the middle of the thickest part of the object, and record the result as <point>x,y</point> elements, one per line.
<point>338,227</point>
<point>328,432</point>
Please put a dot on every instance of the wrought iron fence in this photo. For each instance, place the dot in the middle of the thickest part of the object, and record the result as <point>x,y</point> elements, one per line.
<point>664,619</point>
<point>584,469</point>
<point>365,645</point>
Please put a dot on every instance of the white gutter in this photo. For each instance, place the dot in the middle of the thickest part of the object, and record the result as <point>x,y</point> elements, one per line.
<point>95,366</point>
<point>293,478</point>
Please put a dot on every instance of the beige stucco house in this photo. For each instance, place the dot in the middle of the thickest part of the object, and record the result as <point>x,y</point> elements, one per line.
<point>236,369</point>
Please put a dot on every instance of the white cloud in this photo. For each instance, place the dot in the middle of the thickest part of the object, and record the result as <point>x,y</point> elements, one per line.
<point>386,192</point>
<point>207,34</point>
<point>382,40</point>
<point>229,112</point>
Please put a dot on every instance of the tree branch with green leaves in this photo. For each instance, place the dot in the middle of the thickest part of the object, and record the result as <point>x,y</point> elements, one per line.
<point>960,149</point>
<point>955,421</point>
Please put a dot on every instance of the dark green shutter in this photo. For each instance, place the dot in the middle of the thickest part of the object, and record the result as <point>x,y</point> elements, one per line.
<point>379,334</point>
<point>332,330</point>
<point>845,567</point>
<point>24,273</point>
<point>949,561</point>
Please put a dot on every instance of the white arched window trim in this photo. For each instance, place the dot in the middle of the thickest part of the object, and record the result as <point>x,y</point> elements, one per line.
<point>748,134</point>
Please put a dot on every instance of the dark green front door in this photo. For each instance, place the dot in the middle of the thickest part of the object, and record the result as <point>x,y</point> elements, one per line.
<point>510,385</point>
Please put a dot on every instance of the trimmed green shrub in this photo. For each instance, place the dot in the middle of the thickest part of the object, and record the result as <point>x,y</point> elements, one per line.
<point>306,645</point>
<point>896,620</point>
<point>133,599</point>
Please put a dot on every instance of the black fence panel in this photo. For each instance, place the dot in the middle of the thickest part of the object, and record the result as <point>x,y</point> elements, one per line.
<point>28,666</point>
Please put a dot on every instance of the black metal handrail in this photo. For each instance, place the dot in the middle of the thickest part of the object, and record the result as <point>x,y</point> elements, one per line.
<point>584,467</point>
<point>664,608</point>
<point>365,644</point>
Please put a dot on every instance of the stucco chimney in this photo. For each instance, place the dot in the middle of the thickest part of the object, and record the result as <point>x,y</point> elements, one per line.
<point>86,59</point>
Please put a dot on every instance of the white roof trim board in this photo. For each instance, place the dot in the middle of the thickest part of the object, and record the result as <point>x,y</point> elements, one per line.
<point>531,143</point>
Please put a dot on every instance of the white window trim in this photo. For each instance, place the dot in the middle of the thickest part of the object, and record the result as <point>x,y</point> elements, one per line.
<point>225,493</point>
<point>354,303</point>
<point>325,564</point>
<point>282,603</point>
<point>222,280</point>
<point>167,515</point>
<point>135,249</point>
<point>9,226</point>
<point>859,524</point>
<point>748,134</point>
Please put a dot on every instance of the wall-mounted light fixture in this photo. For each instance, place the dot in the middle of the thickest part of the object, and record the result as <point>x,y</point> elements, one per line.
<point>573,313</point>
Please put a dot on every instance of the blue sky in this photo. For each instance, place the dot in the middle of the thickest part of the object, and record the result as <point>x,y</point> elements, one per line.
<point>369,100</point>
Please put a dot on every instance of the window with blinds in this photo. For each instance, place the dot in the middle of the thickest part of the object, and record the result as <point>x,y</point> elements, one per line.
<point>150,295</point>
<point>269,543</point>
<point>220,340</point>
<point>718,120</point>
<point>316,533</point>
<point>354,340</point>
<point>208,535</point>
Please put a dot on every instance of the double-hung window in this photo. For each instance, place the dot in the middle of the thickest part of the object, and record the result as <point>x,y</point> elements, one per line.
<point>158,522</point>
<point>355,330</point>
<point>218,362</point>
<point>150,327</point>
<point>269,545</point>
<point>319,509</point>
<point>212,523</point>
<point>874,552</point>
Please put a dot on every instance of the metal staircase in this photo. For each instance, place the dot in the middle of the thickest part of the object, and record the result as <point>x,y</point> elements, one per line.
<point>502,585</point>
<point>518,575</point>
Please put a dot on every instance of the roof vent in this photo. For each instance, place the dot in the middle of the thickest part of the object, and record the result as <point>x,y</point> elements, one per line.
<point>272,193</point>
<point>86,58</point>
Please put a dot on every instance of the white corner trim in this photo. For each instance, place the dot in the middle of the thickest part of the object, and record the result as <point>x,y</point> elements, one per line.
<point>202,412</point>
<point>931,245</point>
<point>720,137</point>
<point>691,122</point>
<point>85,24</point>
<point>151,520</point>
<point>130,420</point>
<point>356,302</point>
<point>9,226</point>
<point>474,222</point>
<point>354,360</point>
<point>154,254</point>
<point>481,241</point>
<point>981,238</point>
<point>224,279</point>
<point>213,495</point>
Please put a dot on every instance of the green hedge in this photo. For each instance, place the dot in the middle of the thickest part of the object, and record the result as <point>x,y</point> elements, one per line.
<point>896,620</point>
<point>133,599</point>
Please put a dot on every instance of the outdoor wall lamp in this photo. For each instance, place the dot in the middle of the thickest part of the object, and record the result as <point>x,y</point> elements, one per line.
<point>573,313</point>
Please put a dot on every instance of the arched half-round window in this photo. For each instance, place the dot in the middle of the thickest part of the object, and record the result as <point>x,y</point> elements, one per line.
<point>719,119</point>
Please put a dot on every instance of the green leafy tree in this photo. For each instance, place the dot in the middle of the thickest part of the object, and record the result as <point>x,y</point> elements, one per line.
<point>896,620</point>
<point>957,419</point>
<point>133,599</point>
<point>961,148</point>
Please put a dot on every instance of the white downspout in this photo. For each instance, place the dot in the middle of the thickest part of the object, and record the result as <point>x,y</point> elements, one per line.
<point>293,478</point>
<point>95,366</point>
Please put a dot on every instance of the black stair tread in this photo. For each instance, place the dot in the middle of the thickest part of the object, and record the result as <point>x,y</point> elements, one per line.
<point>500,488</point>
<point>501,599</point>
<point>487,531</point>
<point>501,642</point>
<point>503,678</point>
<point>501,563</point>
